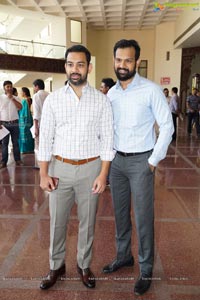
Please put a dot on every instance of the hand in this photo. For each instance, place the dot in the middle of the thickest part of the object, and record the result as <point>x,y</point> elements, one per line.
<point>152,168</point>
<point>47,183</point>
<point>99,185</point>
<point>36,131</point>
<point>9,95</point>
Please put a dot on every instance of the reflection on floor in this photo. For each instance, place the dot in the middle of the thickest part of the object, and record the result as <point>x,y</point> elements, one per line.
<point>24,235</point>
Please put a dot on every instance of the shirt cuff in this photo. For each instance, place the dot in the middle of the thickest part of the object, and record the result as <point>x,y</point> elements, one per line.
<point>107,156</point>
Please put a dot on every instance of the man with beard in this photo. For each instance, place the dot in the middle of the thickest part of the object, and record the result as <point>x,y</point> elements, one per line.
<point>76,135</point>
<point>137,104</point>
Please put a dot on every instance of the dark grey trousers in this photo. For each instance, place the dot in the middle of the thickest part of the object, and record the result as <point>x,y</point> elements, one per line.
<point>132,176</point>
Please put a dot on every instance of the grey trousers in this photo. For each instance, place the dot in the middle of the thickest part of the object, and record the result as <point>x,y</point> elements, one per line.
<point>75,184</point>
<point>132,175</point>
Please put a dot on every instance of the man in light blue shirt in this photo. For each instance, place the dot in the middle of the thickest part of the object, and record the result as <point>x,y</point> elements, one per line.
<point>137,104</point>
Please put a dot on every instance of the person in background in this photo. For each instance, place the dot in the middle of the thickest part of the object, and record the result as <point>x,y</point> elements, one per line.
<point>9,118</point>
<point>106,84</point>
<point>193,108</point>
<point>15,92</point>
<point>75,150</point>
<point>136,103</point>
<point>174,108</point>
<point>38,101</point>
<point>166,92</point>
<point>26,141</point>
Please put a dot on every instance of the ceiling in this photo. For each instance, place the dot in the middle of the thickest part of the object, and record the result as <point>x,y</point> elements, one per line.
<point>107,14</point>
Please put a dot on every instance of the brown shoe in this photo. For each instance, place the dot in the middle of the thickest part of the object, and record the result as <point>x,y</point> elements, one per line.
<point>3,165</point>
<point>87,277</point>
<point>52,277</point>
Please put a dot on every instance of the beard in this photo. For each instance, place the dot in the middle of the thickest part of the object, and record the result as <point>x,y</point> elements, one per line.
<point>126,75</point>
<point>79,80</point>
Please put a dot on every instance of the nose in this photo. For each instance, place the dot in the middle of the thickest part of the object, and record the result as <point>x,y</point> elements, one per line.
<point>74,68</point>
<point>122,64</point>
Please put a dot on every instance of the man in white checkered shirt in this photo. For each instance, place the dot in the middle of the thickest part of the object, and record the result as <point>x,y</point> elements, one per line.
<point>75,151</point>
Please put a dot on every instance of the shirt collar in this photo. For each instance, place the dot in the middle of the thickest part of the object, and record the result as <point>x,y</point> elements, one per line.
<point>133,83</point>
<point>68,87</point>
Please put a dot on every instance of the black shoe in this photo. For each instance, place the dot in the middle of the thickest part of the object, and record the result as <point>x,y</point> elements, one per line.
<point>52,277</point>
<point>115,265</point>
<point>142,284</point>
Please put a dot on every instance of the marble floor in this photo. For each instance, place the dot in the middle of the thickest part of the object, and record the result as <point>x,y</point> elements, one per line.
<point>24,235</point>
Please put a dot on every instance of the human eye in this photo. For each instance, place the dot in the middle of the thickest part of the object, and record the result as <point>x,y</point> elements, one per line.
<point>69,64</point>
<point>129,60</point>
<point>117,60</point>
<point>81,65</point>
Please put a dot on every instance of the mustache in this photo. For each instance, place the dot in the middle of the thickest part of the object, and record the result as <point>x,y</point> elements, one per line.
<point>75,74</point>
<point>122,69</point>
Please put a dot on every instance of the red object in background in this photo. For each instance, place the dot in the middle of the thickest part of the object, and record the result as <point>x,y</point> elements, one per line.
<point>164,80</point>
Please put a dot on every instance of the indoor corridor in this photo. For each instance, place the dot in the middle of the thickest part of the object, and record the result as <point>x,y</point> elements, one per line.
<point>24,235</point>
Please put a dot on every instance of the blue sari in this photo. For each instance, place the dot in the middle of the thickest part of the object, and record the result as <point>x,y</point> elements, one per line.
<point>26,141</point>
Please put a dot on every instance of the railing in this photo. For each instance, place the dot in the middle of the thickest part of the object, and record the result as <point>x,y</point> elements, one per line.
<point>31,48</point>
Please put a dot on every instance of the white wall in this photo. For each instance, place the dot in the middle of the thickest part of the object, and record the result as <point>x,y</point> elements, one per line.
<point>58,29</point>
<point>92,75</point>
<point>164,42</point>
<point>58,80</point>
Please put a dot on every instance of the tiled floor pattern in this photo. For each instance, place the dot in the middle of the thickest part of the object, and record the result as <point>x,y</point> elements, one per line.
<point>24,235</point>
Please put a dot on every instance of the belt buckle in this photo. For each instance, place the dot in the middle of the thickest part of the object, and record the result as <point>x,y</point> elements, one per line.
<point>75,162</point>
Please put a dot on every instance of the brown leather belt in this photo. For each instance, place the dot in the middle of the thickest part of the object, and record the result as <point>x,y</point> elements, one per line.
<point>75,162</point>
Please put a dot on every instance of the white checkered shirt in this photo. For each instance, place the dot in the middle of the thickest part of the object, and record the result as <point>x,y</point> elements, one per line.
<point>76,128</point>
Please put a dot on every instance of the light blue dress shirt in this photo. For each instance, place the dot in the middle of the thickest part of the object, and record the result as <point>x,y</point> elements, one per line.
<point>173,104</point>
<point>135,111</point>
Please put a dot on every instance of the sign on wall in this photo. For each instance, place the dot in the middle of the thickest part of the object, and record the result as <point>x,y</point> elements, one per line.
<point>165,80</point>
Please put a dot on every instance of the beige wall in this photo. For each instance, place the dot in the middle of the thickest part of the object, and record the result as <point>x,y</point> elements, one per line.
<point>186,18</point>
<point>163,68</point>
<point>101,43</point>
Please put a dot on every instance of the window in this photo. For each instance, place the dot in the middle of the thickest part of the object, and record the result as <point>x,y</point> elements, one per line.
<point>76,32</point>
<point>142,70</point>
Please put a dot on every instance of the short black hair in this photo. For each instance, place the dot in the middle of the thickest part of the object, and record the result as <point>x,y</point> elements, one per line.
<point>79,48</point>
<point>109,82</point>
<point>7,82</point>
<point>175,90</point>
<point>127,44</point>
<point>40,83</point>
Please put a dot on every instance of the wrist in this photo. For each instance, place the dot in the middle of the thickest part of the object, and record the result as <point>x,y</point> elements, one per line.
<point>43,174</point>
<point>103,174</point>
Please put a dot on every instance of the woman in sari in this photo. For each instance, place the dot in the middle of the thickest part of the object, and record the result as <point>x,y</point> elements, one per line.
<point>26,142</point>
